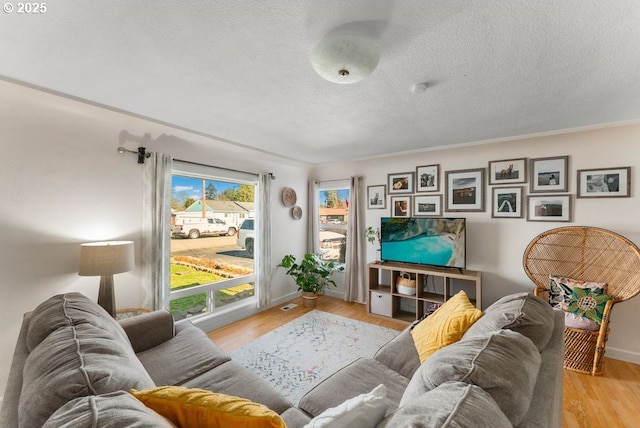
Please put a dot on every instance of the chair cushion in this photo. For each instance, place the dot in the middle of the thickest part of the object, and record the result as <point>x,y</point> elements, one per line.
<point>503,363</point>
<point>114,410</point>
<point>452,404</point>
<point>188,408</point>
<point>522,312</point>
<point>445,326</point>
<point>588,303</point>
<point>561,287</point>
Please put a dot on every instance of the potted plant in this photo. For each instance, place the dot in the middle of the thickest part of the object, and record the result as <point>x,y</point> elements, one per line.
<point>312,275</point>
<point>373,235</point>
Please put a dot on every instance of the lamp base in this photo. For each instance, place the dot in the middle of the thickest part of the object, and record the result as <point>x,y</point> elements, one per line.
<point>106,295</point>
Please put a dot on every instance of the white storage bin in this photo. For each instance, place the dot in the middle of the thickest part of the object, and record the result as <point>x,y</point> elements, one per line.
<point>380,303</point>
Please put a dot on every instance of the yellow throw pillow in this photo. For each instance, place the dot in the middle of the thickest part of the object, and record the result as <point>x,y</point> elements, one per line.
<point>445,326</point>
<point>187,407</point>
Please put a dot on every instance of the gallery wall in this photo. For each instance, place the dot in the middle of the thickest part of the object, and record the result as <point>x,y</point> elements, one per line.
<point>495,246</point>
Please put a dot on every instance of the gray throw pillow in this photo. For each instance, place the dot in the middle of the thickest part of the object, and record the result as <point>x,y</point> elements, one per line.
<point>114,410</point>
<point>503,363</point>
<point>452,404</point>
<point>521,312</point>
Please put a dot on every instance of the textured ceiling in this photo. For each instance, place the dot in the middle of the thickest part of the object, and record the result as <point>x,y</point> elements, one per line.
<point>240,70</point>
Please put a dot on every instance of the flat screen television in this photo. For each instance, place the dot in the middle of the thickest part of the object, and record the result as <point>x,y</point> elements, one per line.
<point>426,241</point>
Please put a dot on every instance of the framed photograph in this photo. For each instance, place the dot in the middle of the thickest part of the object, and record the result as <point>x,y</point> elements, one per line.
<point>549,208</point>
<point>549,174</point>
<point>400,182</point>
<point>427,178</point>
<point>401,206</point>
<point>465,190</point>
<point>506,202</point>
<point>377,197</point>
<point>604,183</point>
<point>508,171</point>
<point>428,205</point>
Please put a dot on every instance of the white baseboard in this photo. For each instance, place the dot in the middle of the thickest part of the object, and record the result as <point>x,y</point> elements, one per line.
<point>211,323</point>
<point>621,354</point>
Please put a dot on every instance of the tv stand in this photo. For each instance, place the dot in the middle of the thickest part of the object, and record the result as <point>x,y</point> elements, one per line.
<point>433,285</point>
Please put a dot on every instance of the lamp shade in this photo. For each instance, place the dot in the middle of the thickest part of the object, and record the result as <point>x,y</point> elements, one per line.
<point>106,258</point>
<point>344,58</point>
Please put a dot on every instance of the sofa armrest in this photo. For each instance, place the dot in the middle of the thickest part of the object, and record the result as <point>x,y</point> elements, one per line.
<point>149,330</point>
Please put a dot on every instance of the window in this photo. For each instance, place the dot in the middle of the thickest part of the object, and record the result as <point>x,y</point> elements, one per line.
<point>333,218</point>
<point>212,270</point>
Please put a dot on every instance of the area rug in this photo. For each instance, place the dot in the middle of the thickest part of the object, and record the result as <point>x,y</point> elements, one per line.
<point>300,354</point>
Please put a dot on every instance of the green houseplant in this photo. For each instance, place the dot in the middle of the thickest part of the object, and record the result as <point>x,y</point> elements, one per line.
<point>312,274</point>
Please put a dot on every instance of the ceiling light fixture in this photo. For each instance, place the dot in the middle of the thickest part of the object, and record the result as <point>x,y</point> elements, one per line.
<point>344,58</point>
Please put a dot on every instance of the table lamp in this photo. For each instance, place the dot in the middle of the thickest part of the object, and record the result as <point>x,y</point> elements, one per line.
<point>105,259</point>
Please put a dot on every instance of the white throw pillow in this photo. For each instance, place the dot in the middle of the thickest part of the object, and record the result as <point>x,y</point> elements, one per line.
<point>363,411</point>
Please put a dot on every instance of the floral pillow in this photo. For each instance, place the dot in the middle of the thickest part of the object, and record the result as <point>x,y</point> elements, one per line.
<point>588,303</point>
<point>561,289</point>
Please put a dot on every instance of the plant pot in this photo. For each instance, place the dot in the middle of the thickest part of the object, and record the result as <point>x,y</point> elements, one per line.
<point>309,299</point>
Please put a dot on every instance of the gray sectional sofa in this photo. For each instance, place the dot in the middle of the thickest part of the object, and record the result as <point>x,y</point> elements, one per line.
<point>74,365</point>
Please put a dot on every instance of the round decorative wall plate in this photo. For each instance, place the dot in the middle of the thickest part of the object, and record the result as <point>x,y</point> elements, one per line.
<point>296,212</point>
<point>289,197</point>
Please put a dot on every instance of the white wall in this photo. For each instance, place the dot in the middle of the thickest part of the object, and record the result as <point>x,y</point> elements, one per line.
<point>496,246</point>
<point>62,183</point>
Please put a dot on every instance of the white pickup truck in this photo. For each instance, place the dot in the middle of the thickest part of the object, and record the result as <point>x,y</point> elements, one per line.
<point>195,227</point>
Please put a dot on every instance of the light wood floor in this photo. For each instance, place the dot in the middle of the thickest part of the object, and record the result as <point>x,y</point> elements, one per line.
<point>608,401</point>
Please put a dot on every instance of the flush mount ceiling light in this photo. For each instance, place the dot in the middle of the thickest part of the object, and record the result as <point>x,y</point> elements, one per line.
<point>344,59</point>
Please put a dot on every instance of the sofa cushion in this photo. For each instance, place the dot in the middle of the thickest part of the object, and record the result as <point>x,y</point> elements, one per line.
<point>188,408</point>
<point>82,356</point>
<point>445,326</point>
<point>68,309</point>
<point>185,356</point>
<point>114,410</point>
<point>232,378</point>
<point>400,354</point>
<point>503,363</point>
<point>362,411</point>
<point>452,404</point>
<point>521,312</point>
<point>359,377</point>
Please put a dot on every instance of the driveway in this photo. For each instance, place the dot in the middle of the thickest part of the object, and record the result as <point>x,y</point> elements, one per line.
<point>219,248</point>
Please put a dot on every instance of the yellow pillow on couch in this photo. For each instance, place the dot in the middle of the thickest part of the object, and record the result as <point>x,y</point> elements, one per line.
<point>191,407</point>
<point>445,326</point>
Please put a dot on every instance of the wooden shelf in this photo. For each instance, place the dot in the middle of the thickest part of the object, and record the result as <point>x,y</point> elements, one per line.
<point>433,285</point>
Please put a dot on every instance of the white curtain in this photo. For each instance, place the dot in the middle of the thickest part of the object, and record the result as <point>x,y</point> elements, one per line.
<point>313,232</point>
<point>264,242</point>
<point>355,287</point>
<point>156,220</point>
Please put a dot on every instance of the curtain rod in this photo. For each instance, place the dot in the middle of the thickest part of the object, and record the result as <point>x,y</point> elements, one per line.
<point>335,179</point>
<point>272,175</point>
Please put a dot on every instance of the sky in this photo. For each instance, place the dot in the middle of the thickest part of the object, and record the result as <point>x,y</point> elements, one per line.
<point>185,187</point>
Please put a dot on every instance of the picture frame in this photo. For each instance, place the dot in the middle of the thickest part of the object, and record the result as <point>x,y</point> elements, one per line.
<point>400,182</point>
<point>549,174</point>
<point>427,205</point>
<point>377,197</point>
<point>400,206</point>
<point>555,208</point>
<point>604,182</point>
<point>507,171</point>
<point>506,202</point>
<point>465,190</point>
<point>427,178</point>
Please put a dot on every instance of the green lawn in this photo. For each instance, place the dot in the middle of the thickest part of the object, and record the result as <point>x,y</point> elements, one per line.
<point>185,276</point>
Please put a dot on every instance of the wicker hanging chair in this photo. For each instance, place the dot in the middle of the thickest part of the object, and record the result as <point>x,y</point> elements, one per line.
<point>587,254</point>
